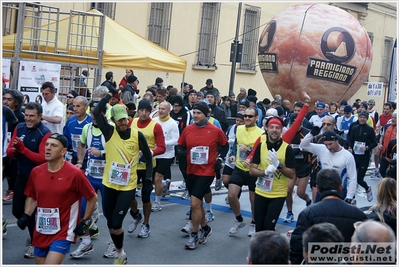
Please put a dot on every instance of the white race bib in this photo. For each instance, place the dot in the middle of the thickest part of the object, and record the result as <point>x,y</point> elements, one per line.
<point>96,168</point>
<point>48,221</point>
<point>75,142</point>
<point>265,183</point>
<point>300,155</point>
<point>357,146</point>
<point>120,173</point>
<point>199,155</point>
<point>68,156</point>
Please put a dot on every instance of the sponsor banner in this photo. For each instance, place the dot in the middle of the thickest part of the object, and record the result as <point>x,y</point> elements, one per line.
<point>31,77</point>
<point>346,252</point>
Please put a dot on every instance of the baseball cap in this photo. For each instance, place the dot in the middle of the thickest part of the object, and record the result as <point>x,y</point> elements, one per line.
<point>118,112</point>
<point>330,136</point>
<point>245,102</point>
<point>347,109</point>
<point>371,102</point>
<point>209,81</point>
<point>320,105</point>
<point>61,138</point>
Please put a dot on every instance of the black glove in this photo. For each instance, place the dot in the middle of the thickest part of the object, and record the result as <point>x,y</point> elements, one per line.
<point>218,164</point>
<point>181,151</point>
<point>82,227</point>
<point>23,221</point>
<point>315,130</point>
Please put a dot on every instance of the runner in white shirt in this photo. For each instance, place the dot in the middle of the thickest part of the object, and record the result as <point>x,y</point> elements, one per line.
<point>165,160</point>
<point>333,155</point>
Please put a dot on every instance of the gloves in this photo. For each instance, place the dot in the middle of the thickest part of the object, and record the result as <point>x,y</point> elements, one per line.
<point>82,227</point>
<point>273,158</point>
<point>181,151</point>
<point>315,130</point>
<point>270,169</point>
<point>20,146</point>
<point>23,221</point>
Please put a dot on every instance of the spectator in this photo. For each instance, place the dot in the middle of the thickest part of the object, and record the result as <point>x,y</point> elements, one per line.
<point>109,80</point>
<point>123,81</point>
<point>389,133</point>
<point>53,109</point>
<point>159,82</point>
<point>217,112</point>
<point>286,105</point>
<point>330,209</point>
<point>225,106</point>
<point>128,94</point>
<point>242,95</point>
<point>268,247</point>
<point>319,233</point>
<point>209,86</point>
<point>252,104</point>
<point>233,104</point>
<point>385,208</point>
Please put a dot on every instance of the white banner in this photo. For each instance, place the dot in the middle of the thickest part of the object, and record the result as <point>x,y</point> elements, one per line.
<point>393,78</point>
<point>5,70</point>
<point>31,77</point>
<point>375,89</point>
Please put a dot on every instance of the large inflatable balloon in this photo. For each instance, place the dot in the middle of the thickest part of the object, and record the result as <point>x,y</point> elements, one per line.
<point>318,47</point>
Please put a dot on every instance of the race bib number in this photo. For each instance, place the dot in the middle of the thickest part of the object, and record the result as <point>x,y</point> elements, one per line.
<point>96,168</point>
<point>120,174</point>
<point>199,155</point>
<point>300,155</point>
<point>48,221</point>
<point>265,183</point>
<point>357,146</point>
<point>75,141</point>
<point>68,156</point>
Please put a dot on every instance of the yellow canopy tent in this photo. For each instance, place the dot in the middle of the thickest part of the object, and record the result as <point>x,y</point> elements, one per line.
<point>122,47</point>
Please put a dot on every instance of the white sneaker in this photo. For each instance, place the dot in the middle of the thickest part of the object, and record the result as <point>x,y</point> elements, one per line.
<point>369,194</point>
<point>186,195</point>
<point>236,227</point>
<point>182,185</point>
<point>156,207</point>
<point>145,231</point>
<point>188,228</point>
<point>29,252</point>
<point>136,221</point>
<point>111,251</point>
<point>82,250</point>
<point>165,188</point>
<point>251,229</point>
<point>96,215</point>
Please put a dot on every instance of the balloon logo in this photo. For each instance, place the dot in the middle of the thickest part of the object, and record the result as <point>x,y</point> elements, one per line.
<point>317,47</point>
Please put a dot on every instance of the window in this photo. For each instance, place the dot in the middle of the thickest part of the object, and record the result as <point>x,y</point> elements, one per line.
<point>386,58</point>
<point>208,34</point>
<point>107,9</point>
<point>159,26</point>
<point>250,38</point>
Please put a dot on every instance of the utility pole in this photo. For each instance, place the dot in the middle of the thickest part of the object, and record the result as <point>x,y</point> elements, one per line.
<point>233,63</point>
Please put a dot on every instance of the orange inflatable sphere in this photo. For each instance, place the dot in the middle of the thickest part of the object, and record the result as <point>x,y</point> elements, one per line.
<point>318,47</point>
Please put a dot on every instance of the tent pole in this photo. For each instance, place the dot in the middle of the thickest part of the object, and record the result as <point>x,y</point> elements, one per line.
<point>18,46</point>
<point>182,86</point>
<point>100,51</point>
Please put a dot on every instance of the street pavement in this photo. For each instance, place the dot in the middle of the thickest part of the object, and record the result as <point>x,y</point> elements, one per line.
<point>166,243</point>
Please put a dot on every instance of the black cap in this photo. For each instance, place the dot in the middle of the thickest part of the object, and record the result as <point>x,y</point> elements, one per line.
<point>210,92</point>
<point>202,106</point>
<point>61,138</point>
<point>252,98</point>
<point>209,81</point>
<point>245,102</point>
<point>280,110</point>
<point>131,78</point>
<point>192,91</point>
<point>74,93</point>
<point>177,100</point>
<point>364,113</point>
<point>330,136</point>
<point>266,101</point>
<point>251,92</point>
<point>158,80</point>
<point>145,104</point>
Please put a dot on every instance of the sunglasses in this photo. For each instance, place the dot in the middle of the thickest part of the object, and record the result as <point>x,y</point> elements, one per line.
<point>68,96</point>
<point>328,124</point>
<point>248,116</point>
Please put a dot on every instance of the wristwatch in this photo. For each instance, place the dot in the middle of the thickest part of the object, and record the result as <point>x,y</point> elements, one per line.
<point>280,166</point>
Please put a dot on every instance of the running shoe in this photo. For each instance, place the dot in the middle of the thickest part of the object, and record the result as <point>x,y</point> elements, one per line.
<point>120,260</point>
<point>82,250</point>
<point>138,190</point>
<point>111,251</point>
<point>188,228</point>
<point>156,207</point>
<point>136,221</point>
<point>209,216</point>
<point>376,173</point>
<point>369,194</point>
<point>204,235</point>
<point>145,231</point>
<point>236,227</point>
<point>185,195</point>
<point>227,200</point>
<point>218,184</point>
<point>251,229</point>
<point>192,242</point>
<point>165,188</point>
<point>29,252</point>
<point>182,185</point>
<point>289,218</point>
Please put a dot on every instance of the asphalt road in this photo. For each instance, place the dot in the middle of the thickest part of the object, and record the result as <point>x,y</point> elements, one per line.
<point>166,242</point>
